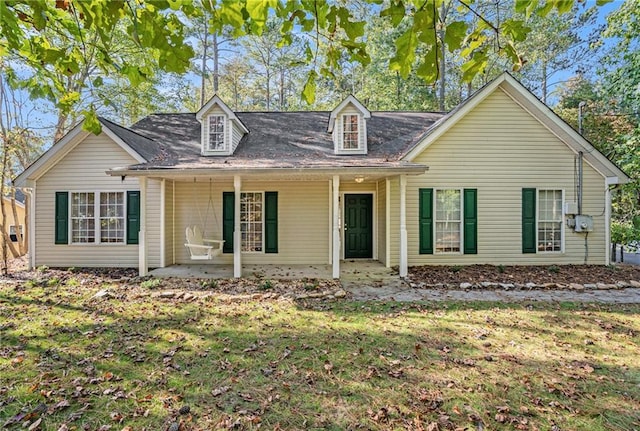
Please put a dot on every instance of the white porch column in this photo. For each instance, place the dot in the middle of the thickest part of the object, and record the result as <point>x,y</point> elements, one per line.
<point>237,253</point>
<point>607,224</point>
<point>143,268</point>
<point>403,227</point>
<point>335,227</point>
<point>387,222</point>
<point>163,208</point>
<point>30,230</point>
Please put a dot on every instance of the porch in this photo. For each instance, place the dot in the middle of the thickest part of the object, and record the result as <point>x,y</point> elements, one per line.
<point>356,271</point>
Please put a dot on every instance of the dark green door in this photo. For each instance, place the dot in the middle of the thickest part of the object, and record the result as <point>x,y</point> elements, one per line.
<point>358,226</point>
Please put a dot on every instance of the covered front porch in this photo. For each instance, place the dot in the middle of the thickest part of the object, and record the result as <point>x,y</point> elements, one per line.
<point>315,229</point>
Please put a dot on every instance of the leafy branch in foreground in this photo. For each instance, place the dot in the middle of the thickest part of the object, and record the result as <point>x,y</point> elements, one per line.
<point>158,29</point>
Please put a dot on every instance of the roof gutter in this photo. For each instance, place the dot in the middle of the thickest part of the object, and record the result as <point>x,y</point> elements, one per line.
<point>261,172</point>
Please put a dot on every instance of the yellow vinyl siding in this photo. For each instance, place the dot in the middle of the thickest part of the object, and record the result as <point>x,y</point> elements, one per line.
<point>499,148</point>
<point>83,169</point>
<point>303,219</point>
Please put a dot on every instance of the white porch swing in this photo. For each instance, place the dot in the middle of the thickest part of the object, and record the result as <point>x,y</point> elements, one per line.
<point>201,248</point>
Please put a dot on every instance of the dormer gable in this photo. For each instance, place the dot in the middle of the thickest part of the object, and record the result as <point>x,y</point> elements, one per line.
<point>222,130</point>
<point>348,126</point>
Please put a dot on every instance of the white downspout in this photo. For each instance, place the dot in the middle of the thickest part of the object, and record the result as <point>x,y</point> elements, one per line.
<point>404,266</point>
<point>237,253</point>
<point>31,226</point>
<point>336,227</point>
<point>143,268</point>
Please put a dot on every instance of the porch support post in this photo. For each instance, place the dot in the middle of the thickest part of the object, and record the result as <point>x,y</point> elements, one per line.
<point>143,267</point>
<point>336,228</point>
<point>30,230</point>
<point>387,221</point>
<point>237,253</point>
<point>607,224</point>
<point>403,227</point>
<point>163,234</point>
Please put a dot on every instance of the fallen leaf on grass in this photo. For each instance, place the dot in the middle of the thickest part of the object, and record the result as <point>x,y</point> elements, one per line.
<point>221,390</point>
<point>34,426</point>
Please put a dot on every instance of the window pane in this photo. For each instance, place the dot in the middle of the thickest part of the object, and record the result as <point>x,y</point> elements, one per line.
<point>251,221</point>
<point>448,223</point>
<point>112,217</point>
<point>550,220</point>
<point>350,132</point>
<point>82,217</point>
<point>216,132</point>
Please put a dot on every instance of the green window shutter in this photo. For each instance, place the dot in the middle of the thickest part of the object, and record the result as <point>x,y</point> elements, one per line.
<point>425,220</point>
<point>470,221</point>
<point>62,218</point>
<point>528,220</point>
<point>133,216</point>
<point>228,209</point>
<point>270,222</point>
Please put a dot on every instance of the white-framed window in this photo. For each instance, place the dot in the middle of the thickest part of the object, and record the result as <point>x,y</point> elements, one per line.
<point>350,132</point>
<point>550,220</point>
<point>97,217</point>
<point>252,221</point>
<point>448,220</point>
<point>13,233</point>
<point>112,219</point>
<point>216,133</point>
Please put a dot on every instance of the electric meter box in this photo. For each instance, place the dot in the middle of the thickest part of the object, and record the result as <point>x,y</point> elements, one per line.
<point>570,208</point>
<point>584,223</point>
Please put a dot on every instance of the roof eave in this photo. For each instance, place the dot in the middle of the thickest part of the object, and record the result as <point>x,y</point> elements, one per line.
<point>413,169</point>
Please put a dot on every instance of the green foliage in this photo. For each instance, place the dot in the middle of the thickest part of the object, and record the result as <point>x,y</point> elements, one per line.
<point>266,285</point>
<point>151,283</point>
<point>625,232</point>
<point>210,284</point>
<point>554,269</point>
<point>58,40</point>
<point>500,268</point>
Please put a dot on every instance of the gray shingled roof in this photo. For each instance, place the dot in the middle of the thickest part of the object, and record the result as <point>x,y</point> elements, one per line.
<point>275,140</point>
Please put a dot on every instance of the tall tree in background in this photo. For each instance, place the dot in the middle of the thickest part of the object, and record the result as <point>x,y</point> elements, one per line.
<point>556,44</point>
<point>621,73</point>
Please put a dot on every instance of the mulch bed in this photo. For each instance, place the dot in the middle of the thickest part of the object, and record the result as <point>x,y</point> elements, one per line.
<point>540,275</point>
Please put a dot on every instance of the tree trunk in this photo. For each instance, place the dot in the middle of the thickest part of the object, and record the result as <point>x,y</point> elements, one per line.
<point>60,129</point>
<point>268,89</point>
<point>203,70</point>
<point>216,63</point>
<point>443,53</point>
<point>544,82</point>
<point>282,104</point>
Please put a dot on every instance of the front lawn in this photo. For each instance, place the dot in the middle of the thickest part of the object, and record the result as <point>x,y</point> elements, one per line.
<point>134,361</point>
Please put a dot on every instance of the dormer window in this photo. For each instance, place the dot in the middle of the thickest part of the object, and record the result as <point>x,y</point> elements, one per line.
<point>348,127</point>
<point>216,133</point>
<point>350,132</point>
<point>221,129</point>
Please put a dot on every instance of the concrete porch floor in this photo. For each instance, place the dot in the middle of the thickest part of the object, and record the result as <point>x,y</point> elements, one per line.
<point>356,271</point>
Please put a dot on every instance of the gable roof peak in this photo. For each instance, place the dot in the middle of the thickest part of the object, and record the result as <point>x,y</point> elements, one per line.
<point>217,101</point>
<point>350,99</point>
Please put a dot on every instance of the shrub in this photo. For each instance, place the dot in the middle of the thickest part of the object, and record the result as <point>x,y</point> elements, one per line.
<point>151,283</point>
<point>266,285</point>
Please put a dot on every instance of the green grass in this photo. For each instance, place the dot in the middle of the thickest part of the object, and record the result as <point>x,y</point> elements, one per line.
<point>133,360</point>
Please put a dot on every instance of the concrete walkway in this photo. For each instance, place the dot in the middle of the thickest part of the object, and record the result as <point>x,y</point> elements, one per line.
<point>401,293</point>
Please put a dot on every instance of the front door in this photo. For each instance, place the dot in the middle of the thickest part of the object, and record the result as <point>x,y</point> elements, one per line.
<point>358,226</point>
